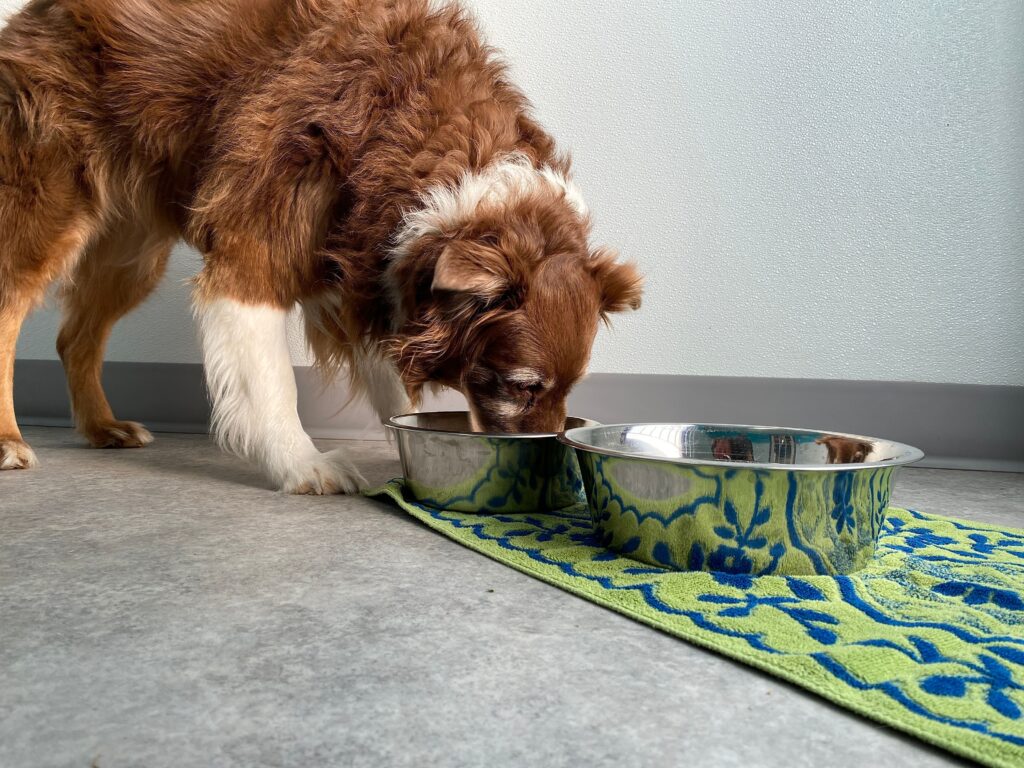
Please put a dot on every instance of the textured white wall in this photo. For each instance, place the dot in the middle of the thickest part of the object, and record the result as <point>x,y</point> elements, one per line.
<point>827,190</point>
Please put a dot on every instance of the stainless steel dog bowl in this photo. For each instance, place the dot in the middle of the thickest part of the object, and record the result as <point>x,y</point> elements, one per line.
<point>737,499</point>
<point>448,466</point>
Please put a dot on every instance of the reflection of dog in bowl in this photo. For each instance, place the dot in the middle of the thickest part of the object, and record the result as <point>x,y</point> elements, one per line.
<point>845,450</point>
<point>732,449</point>
<point>366,160</point>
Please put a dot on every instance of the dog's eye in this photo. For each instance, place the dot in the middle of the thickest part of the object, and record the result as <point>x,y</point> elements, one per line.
<point>529,392</point>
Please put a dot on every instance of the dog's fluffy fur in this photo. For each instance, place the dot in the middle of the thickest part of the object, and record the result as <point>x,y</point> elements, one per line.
<point>365,159</point>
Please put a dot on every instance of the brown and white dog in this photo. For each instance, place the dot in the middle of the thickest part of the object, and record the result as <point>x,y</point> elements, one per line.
<point>367,160</point>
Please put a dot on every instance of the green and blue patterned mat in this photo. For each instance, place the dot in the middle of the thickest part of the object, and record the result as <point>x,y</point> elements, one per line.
<point>928,638</point>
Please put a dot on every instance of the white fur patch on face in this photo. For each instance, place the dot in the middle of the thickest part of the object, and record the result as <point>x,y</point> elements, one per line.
<point>448,207</point>
<point>255,401</point>
<point>527,376</point>
<point>506,409</point>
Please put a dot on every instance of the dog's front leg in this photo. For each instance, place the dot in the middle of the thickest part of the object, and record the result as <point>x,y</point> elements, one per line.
<point>252,385</point>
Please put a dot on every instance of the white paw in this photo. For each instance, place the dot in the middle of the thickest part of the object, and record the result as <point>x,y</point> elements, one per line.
<point>321,474</point>
<point>15,454</point>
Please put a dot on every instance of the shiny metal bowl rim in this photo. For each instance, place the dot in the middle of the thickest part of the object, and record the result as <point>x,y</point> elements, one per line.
<point>906,454</point>
<point>395,424</point>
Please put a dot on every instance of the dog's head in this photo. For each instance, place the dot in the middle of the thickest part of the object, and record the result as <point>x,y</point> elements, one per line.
<point>513,302</point>
<point>845,450</point>
<point>528,335</point>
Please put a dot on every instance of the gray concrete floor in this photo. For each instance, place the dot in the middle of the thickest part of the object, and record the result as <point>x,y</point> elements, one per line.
<point>161,607</point>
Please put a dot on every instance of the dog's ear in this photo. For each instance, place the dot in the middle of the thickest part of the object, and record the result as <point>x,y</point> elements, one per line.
<point>621,283</point>
<point>464,269</point>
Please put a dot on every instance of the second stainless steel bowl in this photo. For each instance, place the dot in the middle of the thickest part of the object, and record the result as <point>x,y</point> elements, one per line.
<point>738,499</point>
<point>448,466</point>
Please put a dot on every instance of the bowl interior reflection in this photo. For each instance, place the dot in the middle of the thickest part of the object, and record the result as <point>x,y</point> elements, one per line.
<point>711,443</point>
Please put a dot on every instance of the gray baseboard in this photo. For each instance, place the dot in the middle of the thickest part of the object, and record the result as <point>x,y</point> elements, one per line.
<point>958,426</point>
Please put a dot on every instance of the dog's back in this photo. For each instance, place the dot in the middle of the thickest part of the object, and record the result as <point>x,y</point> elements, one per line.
<point>142,88</point>
<point>158,97</point>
